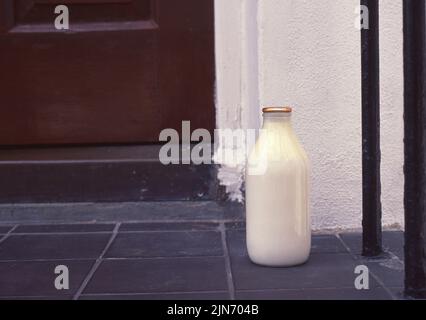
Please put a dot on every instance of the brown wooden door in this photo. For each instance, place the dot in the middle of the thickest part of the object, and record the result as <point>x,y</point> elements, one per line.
<point>125,70</point>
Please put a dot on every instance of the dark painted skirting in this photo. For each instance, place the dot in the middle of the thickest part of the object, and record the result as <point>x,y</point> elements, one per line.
<point>100,175</point>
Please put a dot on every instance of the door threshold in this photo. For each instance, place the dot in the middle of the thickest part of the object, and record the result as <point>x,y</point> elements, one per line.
<point>156,211</point>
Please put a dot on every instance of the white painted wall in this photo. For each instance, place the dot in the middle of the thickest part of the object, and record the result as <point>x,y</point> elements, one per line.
<point>307,54</point>
<point>392,103</point>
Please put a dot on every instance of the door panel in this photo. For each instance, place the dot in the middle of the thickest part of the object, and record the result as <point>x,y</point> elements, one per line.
<point>124,71</point>
<point>40,11</point>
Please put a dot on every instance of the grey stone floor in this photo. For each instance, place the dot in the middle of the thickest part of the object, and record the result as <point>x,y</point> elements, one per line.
<point>183,260</point>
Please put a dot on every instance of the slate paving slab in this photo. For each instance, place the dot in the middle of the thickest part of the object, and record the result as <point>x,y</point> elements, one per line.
<point>37,278</point>
<point>327,244</point>
<point>188,260</point>
<point>5,229</point>
<point>53,246</point>
<point>390,271</point>
<point>235,225</point>
<point>67,228</point>
<point>159,275</point>
<point>166,244</point>
<point>320,243</point>
<point>321,271</point>
<point>158,226</point>
<point>315,294</point>
<point>398,293</point>
<point>389,267</point>
<point>191,296</point>
<point>393,241</point>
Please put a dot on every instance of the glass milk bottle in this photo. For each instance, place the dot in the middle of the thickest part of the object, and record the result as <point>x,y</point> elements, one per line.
<point>277,194</point>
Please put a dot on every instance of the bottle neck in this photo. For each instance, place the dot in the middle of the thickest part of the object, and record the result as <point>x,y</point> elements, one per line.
<point>276,120</point>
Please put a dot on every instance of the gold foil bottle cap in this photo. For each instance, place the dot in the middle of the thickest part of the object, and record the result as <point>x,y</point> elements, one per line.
<point>277,109</point>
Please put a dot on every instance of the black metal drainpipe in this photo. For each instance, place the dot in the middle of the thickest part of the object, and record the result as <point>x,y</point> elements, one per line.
<point>414,132</point>
<point>371,187</point>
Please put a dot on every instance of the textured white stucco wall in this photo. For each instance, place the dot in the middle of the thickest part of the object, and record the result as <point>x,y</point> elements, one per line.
<point>308,56</point>
<point>392,103</point>
<point>310,59</point>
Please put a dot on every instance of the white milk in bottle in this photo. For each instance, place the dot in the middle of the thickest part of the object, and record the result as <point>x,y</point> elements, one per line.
<point>277,194</point>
